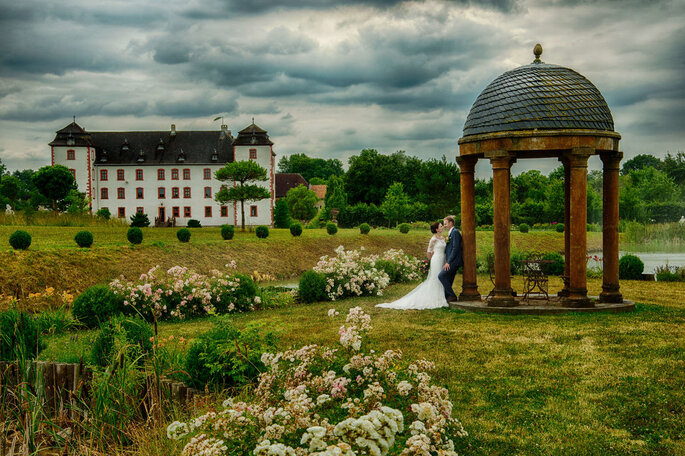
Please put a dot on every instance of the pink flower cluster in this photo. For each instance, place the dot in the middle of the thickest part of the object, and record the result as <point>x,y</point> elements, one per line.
<point>331,402</point>
<point>180,293</point>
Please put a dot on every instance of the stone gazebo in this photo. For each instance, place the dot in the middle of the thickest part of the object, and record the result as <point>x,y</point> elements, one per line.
<point>540,111</point>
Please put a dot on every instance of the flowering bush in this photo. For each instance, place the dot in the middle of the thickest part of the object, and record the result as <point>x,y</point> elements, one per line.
<point>594,266</point>
<point>324,401</point>
<point>351,274</point>
<point>424,268</point>
<point>181,293</point>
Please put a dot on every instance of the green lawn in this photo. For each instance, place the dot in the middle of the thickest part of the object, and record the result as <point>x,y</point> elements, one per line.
<point>590,384</point>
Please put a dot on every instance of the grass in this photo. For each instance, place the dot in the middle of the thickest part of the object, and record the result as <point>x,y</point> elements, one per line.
<point>526,385</point>
<point>54,260</point>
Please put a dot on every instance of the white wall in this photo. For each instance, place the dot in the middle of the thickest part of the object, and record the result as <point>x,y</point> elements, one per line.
<point>79,164</point>
<point>265,207</point>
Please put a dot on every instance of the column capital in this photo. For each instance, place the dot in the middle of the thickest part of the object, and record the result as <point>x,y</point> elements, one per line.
<point>611,160</point>
<point>467,164</point>
<point>578,156</point>
<point>500,159</point>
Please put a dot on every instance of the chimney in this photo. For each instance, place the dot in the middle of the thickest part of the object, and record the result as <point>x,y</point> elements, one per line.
<point>173,130</point>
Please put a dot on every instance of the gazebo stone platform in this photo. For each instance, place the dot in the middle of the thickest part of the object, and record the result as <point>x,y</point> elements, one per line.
<point>537,307</point>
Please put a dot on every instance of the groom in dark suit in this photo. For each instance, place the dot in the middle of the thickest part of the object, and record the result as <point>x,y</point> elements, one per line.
<point>453,258</point>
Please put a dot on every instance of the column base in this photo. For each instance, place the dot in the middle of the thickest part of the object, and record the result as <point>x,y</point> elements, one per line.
<point>577,297</point>
<point>563,293</point>
<point>612,297</point>
<point>469,293</point>
<point>503,298</point>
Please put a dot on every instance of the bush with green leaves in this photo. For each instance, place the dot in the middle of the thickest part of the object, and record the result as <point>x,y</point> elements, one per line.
<point>630,267</point>
<point>312,287</point>
<point>524,228</point>
<point>262,232</point>
<point>331,228</point>
<point>103,213</point>
<point>404,228</point>
<point>134,235</point>
<point>183,235</point>
<point>239,295</point>
<point>227,232</point>
<point>97,304</point>
<point>559,227</point>
<point>132,335</point>
<point>226,357</point>
<point>192,223</point>
<point>296,229</point>
<point>556,267</point>
<point>84,239</point>
<point>140,220</point>
<point>19,336</point>
<point>364,228</point>
<point>20,240</point>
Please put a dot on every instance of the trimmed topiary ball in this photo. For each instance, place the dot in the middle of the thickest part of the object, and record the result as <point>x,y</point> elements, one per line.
<point>556,267</point>
<point>524,228</point>
<point>630,267</point>
<point>84,238</point>
<point>296,229</point>
<point>364,228</point>
<point>262,232</point>
<point>227,232</point>
<point>192,223</point>
<point>134,235</point>
<point>183,235</point>
<point>312,287</point>
<point>560,227</point>
<point>331,228</point>
<point>20,240</point>
<point>404,228</point>
<point>96,304</point>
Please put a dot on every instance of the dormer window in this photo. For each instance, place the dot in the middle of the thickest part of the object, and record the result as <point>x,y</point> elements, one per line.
<point>70,140</point>
<point>141,156</point>
<point>181,157</point>
<point>124,147</point>
<point>160,146</point>
<point>103,156</point>
<point>215,156</point>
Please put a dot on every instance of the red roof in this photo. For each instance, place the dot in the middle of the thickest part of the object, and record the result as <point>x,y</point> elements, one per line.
<point>320,190</point>
<point>286,181</point>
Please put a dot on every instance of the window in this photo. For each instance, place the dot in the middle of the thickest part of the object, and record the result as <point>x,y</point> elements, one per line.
<point>161,193</point>
<point>186,211</point>
<point>208,211</point>
<point>186,192</point>
<point>121,194</point>
<point>208,173</point>
<point>175,211</point>
<point>73,173</point>
<point>104,193</point>
<point>253,154</point>
<point>139,174</point>
<point>186,174</point>
<point>208,192</point>
<point>253,211</point>
<point>139,193</point>
<point>160,174</point>
<point>139,210</point>
<point>174,192</point>
<point>224,211</point>
<point>174,174</point>
<point>71,155</point>
<point>122,212</point>
<point>103,174</point>
<point>120,174</point>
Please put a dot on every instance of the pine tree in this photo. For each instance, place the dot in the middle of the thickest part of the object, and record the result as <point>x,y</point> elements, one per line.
<point>282,214</point>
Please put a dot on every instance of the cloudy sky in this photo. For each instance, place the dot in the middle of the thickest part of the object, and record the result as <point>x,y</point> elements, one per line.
<point>325,77</point>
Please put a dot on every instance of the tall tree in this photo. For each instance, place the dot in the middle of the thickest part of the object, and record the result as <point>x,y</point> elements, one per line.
<point>437,186</point>
<point>302,203</point>
<point>9,188</point>
<point>309,167</point>
<point>639,162</point>
<point>242,174</point>
<point>336,198</point>
<point>281,214</point>
<point>396,205</point>
<point>54,182</point>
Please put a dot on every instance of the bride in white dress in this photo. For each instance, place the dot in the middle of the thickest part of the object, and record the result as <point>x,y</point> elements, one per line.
<point>430,294</point>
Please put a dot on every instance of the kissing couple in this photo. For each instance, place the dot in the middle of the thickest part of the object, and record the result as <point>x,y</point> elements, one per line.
<point>445,258</point>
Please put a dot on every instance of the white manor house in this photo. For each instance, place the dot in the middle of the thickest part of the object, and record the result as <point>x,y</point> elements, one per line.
<point>165,174</point>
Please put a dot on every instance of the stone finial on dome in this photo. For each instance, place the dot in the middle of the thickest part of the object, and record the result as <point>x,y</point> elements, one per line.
<point>537,50</point>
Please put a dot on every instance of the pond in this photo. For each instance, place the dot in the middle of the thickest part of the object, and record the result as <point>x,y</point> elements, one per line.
<point>654,259</point>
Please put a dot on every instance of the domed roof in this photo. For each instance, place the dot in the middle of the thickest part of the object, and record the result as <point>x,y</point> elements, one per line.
<point>539,96</point>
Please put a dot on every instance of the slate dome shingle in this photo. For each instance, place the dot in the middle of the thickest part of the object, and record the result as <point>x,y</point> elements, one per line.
<point>539,96</point>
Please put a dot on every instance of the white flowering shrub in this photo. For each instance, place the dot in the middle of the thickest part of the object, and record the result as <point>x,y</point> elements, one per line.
<point>342,401</point>
<point>399,266</point>
<point>181,293</point>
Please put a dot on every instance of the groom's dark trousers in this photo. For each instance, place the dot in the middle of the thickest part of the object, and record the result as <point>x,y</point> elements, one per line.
<point>453,257</point>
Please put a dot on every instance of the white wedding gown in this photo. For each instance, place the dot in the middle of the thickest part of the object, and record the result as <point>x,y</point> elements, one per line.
<point>430,294</point>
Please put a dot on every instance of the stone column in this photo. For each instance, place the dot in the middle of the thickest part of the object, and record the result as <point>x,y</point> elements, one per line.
<point>567,217</point>
<point>577,260</point>
<point>469,288</point>
<point>501,174</point>
<point>610,287</point>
